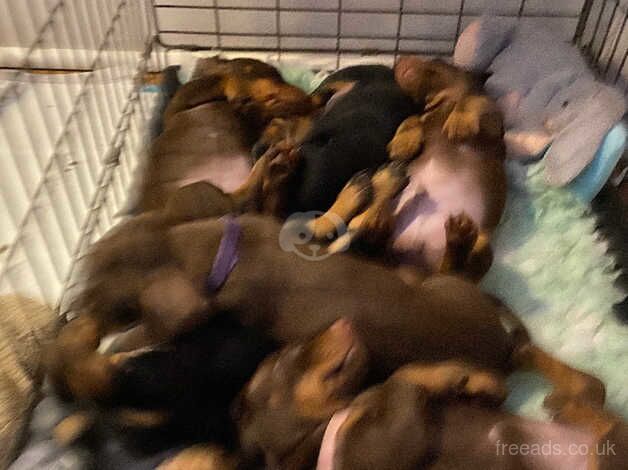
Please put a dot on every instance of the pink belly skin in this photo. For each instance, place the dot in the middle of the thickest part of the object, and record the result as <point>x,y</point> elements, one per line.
<point>435,192</point>
<point>227,172</point>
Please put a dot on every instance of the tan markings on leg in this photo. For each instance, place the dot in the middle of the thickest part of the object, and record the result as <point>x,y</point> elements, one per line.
<point>487,386</point>
<point>353,198</point>
<point>455,378</point>
<point>72,428</point>
<point>200,457</point>
<point>90,376</point>
<point>569,384</point>
<point>377,221</point>
<point>408,140</point>
<point>599,421</point>
<point>73,362</point>
<point>471,116</point>
<point>130,417</point>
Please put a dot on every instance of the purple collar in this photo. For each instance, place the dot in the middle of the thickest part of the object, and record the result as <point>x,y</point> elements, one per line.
<point>226,256</point>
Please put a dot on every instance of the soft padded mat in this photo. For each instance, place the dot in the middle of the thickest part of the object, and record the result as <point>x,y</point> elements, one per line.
<point>553,269</point>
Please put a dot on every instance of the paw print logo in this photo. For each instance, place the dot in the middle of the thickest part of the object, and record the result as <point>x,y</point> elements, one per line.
<point>297,236</point>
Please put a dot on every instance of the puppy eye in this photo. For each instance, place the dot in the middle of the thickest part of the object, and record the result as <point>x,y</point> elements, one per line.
<point>565,104</point>
<point>302,236</point>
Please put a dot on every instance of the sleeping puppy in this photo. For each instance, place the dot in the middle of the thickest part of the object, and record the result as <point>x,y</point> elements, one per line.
<point>210,124</point>
<point>444,218</point>
<point>458,182</point>
<point>172,278</point>
<point>174,393</point>
<point>304,408</point>
<point>403,425</point>
<point>320,152</point>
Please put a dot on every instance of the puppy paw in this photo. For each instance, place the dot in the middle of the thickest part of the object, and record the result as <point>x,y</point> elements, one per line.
<point>406,145</point>
<point>449,378</point>
<point>461,125</point>
<point>356,194</point>
<point>486,387</point>
<point>461,232</point>
<point>588,391</point>
<point>200,457</point>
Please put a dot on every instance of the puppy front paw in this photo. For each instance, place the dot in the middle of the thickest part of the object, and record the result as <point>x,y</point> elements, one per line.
<point>408,140</point>
<point>406,145</point>
<point>461,232</point>
<point>461,124</point>
<point>589,391</point>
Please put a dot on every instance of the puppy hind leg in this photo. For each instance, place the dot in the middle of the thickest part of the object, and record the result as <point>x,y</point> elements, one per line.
<point>570,385</point>
<point>375,224</point>
<point>356,194</point>
<point>408,140</point>
<point>480,259</point>
<point>75,367</point>
<point>468,251</point>
<point>456,378</point>
<point>461,234</point>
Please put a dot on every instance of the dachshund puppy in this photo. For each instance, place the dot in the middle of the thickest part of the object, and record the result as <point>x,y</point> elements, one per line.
<point>306,407</point>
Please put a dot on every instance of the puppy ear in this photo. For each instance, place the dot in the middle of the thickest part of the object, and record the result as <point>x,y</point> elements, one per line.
<point>170,303</point>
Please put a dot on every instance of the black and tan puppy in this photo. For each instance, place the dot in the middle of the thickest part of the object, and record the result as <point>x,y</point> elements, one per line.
<point>174,393</point>
<point>304,409</point>
<point>320,152</point>
<point>445,216</point>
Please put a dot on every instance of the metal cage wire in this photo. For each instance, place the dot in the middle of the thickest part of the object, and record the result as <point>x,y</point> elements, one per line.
<point>73,114</point>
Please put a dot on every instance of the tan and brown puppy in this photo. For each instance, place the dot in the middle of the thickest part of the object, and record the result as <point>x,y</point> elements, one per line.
<point>210,125</point>
<point>458,182</point>
<point>301,410</point>
<point>157,274</point>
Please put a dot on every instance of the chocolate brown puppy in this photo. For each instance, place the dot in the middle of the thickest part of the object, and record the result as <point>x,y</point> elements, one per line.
<point>458,181</point>
<point>210,125</point>
<point>164,277</point>
<point>302,409</point>
<point>401,425</point>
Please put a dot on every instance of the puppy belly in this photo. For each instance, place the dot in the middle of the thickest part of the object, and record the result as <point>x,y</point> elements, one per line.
<point>227,172</point>
<point>434,194</point>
